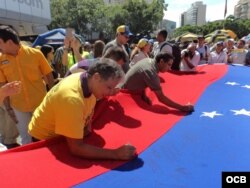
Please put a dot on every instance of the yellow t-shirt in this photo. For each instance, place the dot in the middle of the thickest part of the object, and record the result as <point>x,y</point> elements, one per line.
<point>29,66</point>
<point>87,55</point>
<point>71,60</point>
<point>65,110</point>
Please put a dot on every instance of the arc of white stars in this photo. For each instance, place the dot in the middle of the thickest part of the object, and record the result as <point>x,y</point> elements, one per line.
<point>232,83</point>
<point>241,112</point>
<point>210,114</point>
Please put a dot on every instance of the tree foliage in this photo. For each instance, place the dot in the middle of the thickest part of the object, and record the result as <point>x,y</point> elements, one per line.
<point>240,26</point>
<point>81,15</point>
<point>93,15</point>
<point>87,16</point>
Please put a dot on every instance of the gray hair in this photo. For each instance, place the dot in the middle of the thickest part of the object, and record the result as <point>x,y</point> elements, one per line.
<point>116,53</point>
<point>106,68</point>
<point>191,45</point>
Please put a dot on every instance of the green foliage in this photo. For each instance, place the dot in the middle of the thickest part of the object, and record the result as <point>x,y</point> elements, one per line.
<point>187,28</point>
<point>240,26</point>
<point>76,14</point>
<point>58,13</point>
<point>93,15</point>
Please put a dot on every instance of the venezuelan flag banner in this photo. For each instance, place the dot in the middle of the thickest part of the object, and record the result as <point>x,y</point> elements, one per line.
<point>174,149</point>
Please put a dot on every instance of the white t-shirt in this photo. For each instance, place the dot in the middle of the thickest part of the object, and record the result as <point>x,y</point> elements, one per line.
<point>157,48</point>
<point>204,50</point>
<point>218,58</point>
<point>195,61</point>
<point>138,57</point>
<point>238,56</point>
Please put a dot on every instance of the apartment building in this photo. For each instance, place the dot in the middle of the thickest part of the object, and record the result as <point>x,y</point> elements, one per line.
<point>242,9</point>
<point>195,15</point>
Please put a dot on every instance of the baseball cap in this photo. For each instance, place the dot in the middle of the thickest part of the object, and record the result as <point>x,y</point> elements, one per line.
<point>79,38</point>
<point>151,41</point>
<point>230,39</point>
<point>124,29</point>
<point>142,42</point>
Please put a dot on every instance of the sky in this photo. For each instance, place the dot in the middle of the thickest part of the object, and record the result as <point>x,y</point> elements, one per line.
<point>215,9</point>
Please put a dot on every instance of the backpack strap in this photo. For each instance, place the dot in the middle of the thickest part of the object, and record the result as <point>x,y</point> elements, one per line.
<point>164,44</point>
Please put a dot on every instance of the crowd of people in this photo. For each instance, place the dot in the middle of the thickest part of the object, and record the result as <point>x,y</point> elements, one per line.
<point>49,92</point>
<point>227,52</point>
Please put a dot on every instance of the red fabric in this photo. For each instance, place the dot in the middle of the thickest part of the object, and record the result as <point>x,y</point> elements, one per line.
<point>121,119</point>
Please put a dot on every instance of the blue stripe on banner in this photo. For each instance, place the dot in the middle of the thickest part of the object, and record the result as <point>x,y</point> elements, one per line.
<point>197,149</point>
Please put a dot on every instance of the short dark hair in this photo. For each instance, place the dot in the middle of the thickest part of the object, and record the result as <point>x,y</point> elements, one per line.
<point>163,55</point>
<point>8,33</point>
<point>116,53</point>
<point>107,68</point>
<point>163,32</point>
<point>98,48</point>
<point>200,37</point>
<point>243,41</point>
<point>45,49</point>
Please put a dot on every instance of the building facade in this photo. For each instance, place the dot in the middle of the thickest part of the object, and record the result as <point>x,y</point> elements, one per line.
<point>25,16</point>
<point>195,15</point>
<point>242,9</point>
<point>183,19</point>
<point>169,25</point>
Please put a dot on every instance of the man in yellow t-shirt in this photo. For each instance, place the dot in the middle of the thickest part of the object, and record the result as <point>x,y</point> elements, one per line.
<point>68,107</point>
<point>28,65</point>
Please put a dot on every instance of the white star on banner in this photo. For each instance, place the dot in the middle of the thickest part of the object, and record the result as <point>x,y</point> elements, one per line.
<point>246,86</point>
<point>241,112</point>
<point>210,114</point>
<point>232,83</point>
